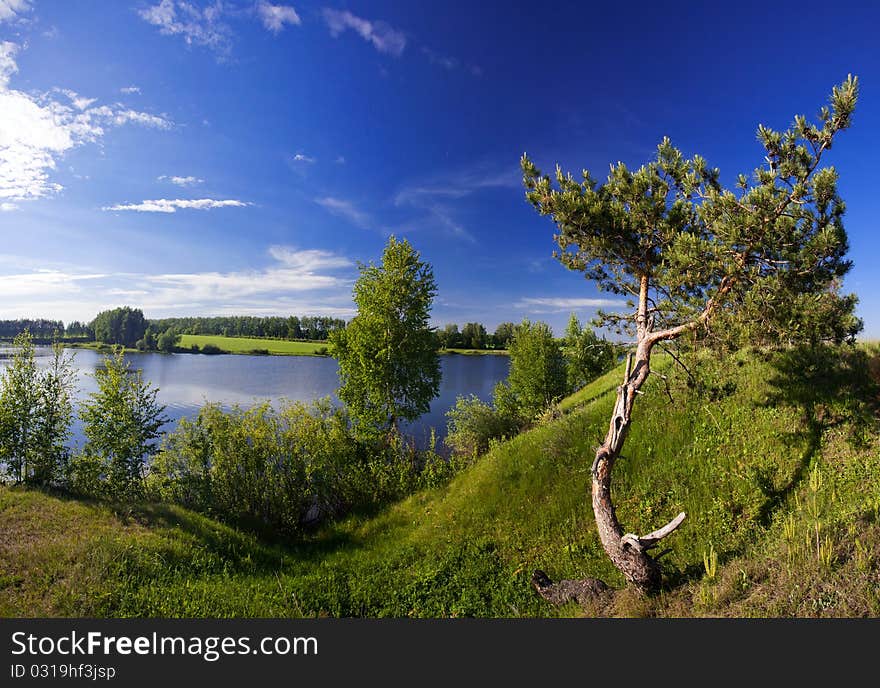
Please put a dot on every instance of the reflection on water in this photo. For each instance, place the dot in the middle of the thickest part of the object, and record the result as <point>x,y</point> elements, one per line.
<point>188,381</point>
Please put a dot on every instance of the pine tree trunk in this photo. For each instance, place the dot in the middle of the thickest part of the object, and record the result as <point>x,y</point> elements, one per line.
<point>627,556</point>
<point>628,552</point>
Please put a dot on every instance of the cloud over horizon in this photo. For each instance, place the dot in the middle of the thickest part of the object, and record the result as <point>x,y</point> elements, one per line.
<point>301,281</point>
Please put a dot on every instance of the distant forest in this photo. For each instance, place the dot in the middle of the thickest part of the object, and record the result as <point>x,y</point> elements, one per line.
<point>128,325</point>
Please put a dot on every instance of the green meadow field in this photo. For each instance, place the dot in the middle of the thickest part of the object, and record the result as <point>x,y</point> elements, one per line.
<point>247,345</point>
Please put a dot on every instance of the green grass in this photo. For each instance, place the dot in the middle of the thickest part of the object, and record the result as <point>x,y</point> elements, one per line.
<point>476,352</point>
<point>247,345</point>
<point>762,452</point>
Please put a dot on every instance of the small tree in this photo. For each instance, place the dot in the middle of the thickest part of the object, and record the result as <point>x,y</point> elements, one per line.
<point>168,340</point>
<point>35,414</point>
<point>586,355</point>
<point>537,369</point>
<point>54,418</point>
<point>388,362</point>
<point>691,254</point>
<point>121,422</point>
<point>19,409</point>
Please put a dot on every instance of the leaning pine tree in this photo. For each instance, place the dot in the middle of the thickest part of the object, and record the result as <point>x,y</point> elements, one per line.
<point>691,254</point>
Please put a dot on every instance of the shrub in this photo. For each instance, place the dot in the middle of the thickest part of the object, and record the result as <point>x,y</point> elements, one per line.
<point>472,423</point>
<point>288,468</point>
<point>121,422</point>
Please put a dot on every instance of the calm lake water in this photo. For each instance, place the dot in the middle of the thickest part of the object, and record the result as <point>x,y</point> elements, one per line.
<point>188,381</point>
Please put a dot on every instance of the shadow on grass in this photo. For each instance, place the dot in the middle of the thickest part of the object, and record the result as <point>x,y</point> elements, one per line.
<point>831,386</point>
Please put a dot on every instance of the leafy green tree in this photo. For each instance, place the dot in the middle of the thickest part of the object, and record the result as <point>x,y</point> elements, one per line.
<point>586,355</point>
<point>124,326</point>
<point>473,336</point>
<point>167,341</point>
<point>388,363</point>
<point>449,337</point>
<point>690,253</point>
<point>121,422</point>
<point>537,368</point>
<point>503,334</point>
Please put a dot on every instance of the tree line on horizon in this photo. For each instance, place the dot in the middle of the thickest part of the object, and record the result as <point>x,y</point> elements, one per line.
<point>129,327</point>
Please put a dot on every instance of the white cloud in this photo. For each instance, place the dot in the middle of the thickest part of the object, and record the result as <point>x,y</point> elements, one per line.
<point>8,66</point>
<point>129,90</point>
<point>12,9</point>
<point>36,131</point>
<point>164,205</point>
<point>8,207</point>
<point>302,157</point>
<point>562,304</point>
<point>144,118</point>
<point>197,25</point>
<point>43,283</point>
<point>181,181</point>
<point>345,209</point>
<point>274,17</point>
<point>383,37</point>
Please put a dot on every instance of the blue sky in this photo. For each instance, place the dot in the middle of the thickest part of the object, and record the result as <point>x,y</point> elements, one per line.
<point>233,157</point>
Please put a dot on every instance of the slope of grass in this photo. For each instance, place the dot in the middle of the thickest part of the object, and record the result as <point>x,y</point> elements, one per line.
<point>774,458</point>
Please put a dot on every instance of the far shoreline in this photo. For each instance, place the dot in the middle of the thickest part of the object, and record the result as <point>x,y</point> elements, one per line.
<point>245,346</point>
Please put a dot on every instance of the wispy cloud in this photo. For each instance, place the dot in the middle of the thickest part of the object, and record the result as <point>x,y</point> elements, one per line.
<point>303,281</point>
<point>7,207</point>
<point>130,90</point>
<point>203,26</point>
<point>79,102</point>
<point>383,37</point>
<point>302,157</point>
<point>13,9</point>
<point>346,209</point>
<point>36,131</point>
<point>558,304</point>
<point>274,17</point>
<point>181,181</point>
<point>437,196</point>
<point>164,205</point>
<point>454,185</point>
<point>438,59</point>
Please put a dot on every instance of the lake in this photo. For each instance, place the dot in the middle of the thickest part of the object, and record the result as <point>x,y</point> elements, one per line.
<point>188,381</point>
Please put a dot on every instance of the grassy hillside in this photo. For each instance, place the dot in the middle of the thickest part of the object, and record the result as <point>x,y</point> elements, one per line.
<point>775,459</point>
